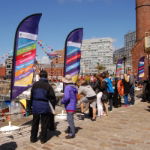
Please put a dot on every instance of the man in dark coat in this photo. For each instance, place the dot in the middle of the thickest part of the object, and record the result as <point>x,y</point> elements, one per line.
<point>41,95</point>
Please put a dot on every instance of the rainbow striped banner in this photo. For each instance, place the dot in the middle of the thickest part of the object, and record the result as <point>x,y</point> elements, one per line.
<point>73,53</point>
<point>119,67</point>
<point>24,55</point>
<point>141,67</point>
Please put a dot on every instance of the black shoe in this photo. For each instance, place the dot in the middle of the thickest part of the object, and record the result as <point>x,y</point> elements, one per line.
<point>42,142</point>
<point>70,136</point>
<point>33,141</point>
<point>52,129</point>
<point>93,119</point>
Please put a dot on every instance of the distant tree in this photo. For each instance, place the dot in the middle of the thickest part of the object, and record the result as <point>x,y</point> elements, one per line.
<point>100,67</point>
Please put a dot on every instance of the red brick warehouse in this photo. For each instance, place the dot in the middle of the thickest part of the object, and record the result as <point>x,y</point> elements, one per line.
<point>142,30</point>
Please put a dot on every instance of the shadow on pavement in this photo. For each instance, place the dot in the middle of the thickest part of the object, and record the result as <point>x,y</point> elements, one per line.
<point>77,129</point>
<point>148,109</point>
<point>8,146</point>
<point>27,123</point>
<point>11,137</point>
<point>53,133</point>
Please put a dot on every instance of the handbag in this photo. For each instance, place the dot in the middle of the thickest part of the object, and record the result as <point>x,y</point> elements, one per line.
<point>52,108</point>
<point>104,97</point>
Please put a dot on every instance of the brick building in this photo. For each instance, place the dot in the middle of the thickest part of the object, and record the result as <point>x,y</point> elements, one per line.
<point>142,30</point>
<point>2,71</point>
<point>56,68</point>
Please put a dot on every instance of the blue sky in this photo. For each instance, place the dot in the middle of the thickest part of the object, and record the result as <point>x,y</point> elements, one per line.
<point>99,18</point>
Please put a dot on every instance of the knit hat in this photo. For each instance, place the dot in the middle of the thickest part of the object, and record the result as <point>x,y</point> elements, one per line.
<point>67,79</point>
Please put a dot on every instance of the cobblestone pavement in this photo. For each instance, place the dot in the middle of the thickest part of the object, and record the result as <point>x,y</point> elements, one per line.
<point>124,129</point>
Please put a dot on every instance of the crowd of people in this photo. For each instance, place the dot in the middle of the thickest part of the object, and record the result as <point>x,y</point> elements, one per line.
<point>94,95</point>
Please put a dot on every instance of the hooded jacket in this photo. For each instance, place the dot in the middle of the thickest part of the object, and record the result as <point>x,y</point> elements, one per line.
<point>70,97</point>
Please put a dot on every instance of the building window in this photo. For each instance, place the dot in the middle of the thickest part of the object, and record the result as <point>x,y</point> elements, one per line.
<point>8,66</point>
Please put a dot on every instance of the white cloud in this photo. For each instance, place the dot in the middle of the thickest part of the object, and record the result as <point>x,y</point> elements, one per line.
<point>44,60</point>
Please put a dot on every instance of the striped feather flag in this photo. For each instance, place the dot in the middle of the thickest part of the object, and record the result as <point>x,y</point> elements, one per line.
<point>141,68</point>
<point>119,67</point>
<point>73,53</point>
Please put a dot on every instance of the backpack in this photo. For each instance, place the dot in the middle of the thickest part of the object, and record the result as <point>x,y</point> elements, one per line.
<point>109,86</point>
<point>120,88</point>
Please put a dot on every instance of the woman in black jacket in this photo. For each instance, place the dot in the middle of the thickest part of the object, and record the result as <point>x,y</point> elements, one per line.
<point>126,85</point>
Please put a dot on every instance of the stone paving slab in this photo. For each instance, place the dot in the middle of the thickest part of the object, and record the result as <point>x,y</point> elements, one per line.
<point>124,129</point>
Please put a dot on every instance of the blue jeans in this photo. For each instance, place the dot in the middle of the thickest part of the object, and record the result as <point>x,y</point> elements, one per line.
<point>126,102</point>
<point>70,119</point>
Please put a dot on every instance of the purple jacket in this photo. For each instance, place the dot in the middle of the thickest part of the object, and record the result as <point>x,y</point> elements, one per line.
<point>70,99</point>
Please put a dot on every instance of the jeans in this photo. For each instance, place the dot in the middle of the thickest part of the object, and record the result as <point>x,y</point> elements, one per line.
<point>70,119</point>
<point>126,102</point>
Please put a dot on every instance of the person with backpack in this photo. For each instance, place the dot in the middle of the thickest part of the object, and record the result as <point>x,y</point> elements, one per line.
<point>116,95</point>
<point>110,91</point>
<point>126,85</point>
<point>120,88</point>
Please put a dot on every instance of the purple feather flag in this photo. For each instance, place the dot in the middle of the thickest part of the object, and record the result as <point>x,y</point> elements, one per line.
<point>73,53</point>
<point>24,55</point>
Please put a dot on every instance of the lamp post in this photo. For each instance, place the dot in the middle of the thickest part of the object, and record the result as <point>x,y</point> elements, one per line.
<point>51,70</point>
<point>124,62</point>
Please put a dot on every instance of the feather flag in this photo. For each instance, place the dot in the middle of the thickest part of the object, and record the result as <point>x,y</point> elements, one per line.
<point>119,67</point>
<point>141,68</point>
<point>73,53</point>
<point>24,55</point>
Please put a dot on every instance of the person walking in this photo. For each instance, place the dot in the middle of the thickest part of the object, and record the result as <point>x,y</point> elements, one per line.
<point>41,95</point>
<point>70,101</point>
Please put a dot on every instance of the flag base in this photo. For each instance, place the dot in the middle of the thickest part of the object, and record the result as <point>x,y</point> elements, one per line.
<point>9,128</point>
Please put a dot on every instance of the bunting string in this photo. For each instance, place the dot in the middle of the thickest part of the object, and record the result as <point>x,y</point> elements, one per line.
<point>48,50</point>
